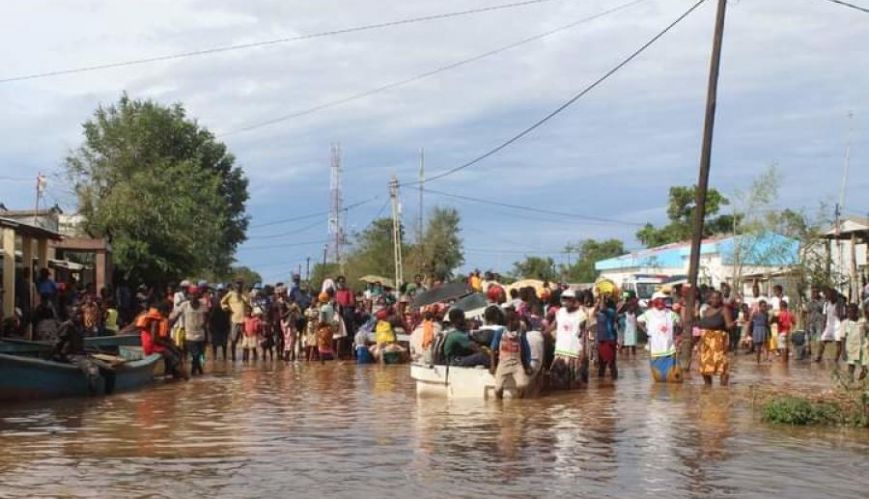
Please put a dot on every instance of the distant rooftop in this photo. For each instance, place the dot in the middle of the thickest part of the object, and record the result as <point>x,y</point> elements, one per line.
<point>769,249</point>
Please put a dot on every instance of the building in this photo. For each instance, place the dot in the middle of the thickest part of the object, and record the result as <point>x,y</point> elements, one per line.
<point>847,255</point>
<point>721,259</point>
<point>17,280</point>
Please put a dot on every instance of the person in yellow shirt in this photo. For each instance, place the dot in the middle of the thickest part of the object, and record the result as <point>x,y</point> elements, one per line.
<point>236,302</point>
<point>475,282</point>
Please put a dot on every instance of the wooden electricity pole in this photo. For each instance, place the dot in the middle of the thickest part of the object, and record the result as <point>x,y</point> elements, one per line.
<point>703,183</point>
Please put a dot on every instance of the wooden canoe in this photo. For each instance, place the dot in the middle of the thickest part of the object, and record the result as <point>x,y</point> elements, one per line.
<point>28,378</point>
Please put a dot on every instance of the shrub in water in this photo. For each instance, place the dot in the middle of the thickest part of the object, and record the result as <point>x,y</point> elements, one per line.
<point>799,411</point>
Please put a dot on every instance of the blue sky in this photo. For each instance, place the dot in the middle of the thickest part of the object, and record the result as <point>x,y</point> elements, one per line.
<point>792,71</point>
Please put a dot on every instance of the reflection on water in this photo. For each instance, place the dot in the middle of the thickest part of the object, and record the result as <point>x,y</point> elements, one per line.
<point>275,430</point>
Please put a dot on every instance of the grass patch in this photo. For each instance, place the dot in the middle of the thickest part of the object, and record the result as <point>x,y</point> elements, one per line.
<point>801,412</point>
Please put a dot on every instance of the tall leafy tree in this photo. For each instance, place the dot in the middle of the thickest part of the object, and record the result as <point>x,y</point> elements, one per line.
<point>588,252</point>
<point>440,252</point>
<point>161,189</point>
<point>680,211</point>
<point>535,267</point>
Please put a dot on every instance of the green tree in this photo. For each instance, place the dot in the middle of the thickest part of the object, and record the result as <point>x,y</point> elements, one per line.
<point>588,252</point>
<point>440,253</point>
<point>680,211</point>
<point>371,252</point>
<point>161,189</point>
<point>535,267</point>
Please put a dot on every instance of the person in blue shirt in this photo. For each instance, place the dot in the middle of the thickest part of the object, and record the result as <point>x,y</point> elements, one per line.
<point>606,336</point>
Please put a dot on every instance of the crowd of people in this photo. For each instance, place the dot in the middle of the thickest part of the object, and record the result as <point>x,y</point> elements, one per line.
<point>521,333</point>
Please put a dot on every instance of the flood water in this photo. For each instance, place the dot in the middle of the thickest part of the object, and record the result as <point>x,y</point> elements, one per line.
<point>273,430</point>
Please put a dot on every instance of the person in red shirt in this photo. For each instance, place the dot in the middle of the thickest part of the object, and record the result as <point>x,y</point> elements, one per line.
<point>253,330</point>
<point>153,328</point>
<point>786,321</point>
<point>345,301</point>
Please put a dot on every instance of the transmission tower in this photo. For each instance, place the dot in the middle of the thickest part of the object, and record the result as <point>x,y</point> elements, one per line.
<point>336,227</point>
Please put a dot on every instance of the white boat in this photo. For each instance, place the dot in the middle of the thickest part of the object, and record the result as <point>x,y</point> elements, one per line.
<point>456,382</point>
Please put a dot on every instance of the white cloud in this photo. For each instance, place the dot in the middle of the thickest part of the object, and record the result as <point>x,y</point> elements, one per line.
<point>790,73</point>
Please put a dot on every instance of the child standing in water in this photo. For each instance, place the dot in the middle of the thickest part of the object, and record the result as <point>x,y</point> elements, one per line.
<point>854,332</point>
<point>785,320</point>
<point>760,330</point>
<point>253,326</point>
<point>312,323</point>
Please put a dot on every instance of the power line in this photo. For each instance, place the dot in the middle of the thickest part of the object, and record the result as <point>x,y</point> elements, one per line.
<point>427,74</point>
<point>276,41</point>
<point>536,210</point>
<point>284,245</point>
<point>311,215</point>
<point>850,5</point>
<point>567,104</point>
<point>293,232</point>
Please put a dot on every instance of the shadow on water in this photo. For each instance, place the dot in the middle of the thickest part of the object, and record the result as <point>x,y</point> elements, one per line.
<point>271,429</point>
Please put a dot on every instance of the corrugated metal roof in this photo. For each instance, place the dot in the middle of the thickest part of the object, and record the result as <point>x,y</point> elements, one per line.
<point>768,249</point>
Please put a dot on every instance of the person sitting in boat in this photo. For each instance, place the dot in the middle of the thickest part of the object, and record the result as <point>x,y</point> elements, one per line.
<point>459,350</point>
<point>70,348</point>
<point>153,328</point>
<point>423,338</point>
<point>384,337</point>
<point>511,354</point>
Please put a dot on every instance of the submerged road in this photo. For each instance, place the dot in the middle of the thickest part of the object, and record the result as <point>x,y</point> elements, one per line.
<point>275,430</point>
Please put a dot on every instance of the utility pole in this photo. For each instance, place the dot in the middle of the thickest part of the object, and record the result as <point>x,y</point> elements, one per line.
<point>336,228</point>
<point>840,208</point>
<point>40,188</point>
<point>421,221</point>
<point>307,271</point>
<point>703,181</point>
<point>396,231</point>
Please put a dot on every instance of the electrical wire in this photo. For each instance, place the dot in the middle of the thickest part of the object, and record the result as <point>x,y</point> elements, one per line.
<point>850,5</point>
<point>293,232</point>
<point>427,74</point>
<point>311,215</point>
<point>536,210</point>
<point>284,245</point>
<point>276,41</point>
<point>567,104</point>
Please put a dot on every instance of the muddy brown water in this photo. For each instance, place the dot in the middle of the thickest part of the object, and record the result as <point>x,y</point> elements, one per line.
<point>275,430</point>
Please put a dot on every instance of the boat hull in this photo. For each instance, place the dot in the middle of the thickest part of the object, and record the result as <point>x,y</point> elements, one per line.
<point>456,382</point>
<point>27,378</point>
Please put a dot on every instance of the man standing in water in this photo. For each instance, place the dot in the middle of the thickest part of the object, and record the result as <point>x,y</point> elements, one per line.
<point>193,315</point>
<point>236,303</point>
<point>218,323</point>
<point>833,315</point>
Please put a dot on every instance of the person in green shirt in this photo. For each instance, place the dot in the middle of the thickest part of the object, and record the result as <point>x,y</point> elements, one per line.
<point>459,350</point>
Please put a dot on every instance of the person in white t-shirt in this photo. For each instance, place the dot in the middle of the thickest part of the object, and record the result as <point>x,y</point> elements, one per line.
<point>833,314</point>
<point>570,366</point>
<point>662,325</point>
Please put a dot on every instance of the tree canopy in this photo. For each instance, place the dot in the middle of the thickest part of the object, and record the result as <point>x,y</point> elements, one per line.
<point>161,189</point>
<point>440,252</point>
<point>588,252</point>
<point>680,211</point>
<point>535,267</point>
